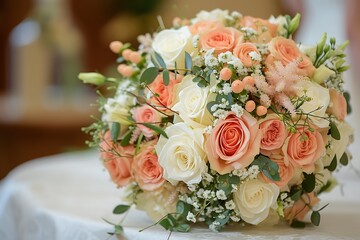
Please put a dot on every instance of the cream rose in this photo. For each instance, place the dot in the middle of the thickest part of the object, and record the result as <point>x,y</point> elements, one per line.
<point>192,103</point>
<point>253,200</point>
<point>320,99</point>
<point>171,44</point>
<point>158,203</point>
<point>182,154</point>
<point>216,14</point>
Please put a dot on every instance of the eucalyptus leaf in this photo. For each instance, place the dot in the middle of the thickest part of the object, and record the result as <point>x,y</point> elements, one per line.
<point>333,164</point>
<point>126,140</point>
<point>268,167</point>
<point>160,60</point>
<point>297,224</point>
<point>334,131</point>
<point>149,75</point>
<point>115,131</point>
<point>315,218</point>
<point>182,209</point>
<point>118,229</point>
<point>209,106</point>
<point>166,77</point>
<point>182,227</point>
<point>165,223</point>
<point>155,128</point>
<point>348,106</point>
<point>120,209</point>
<point>188,61</point>
<point>309,182</point>
<point>344,160</point>
<point>197,79</point>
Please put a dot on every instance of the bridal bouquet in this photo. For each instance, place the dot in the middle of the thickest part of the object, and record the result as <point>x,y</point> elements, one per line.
<point>224,118</point>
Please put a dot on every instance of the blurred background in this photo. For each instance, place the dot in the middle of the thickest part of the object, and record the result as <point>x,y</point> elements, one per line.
<point>46,43</point>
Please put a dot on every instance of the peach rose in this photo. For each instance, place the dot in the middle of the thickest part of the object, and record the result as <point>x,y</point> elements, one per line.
<point>266,30</point>
<point>166,94</point>
<point>146,114</point>
<point>146,168</point>
<point>303,148</point>
<point>233,143</point>
<point>285,50</point>
<point>117,160</point>
<point>273,134</point>
<point>301,207</point>
<point>337,105</point>
<point>243,50</point>
<point>203,25</point>
<point>221,39</point>
<point>286,171</point>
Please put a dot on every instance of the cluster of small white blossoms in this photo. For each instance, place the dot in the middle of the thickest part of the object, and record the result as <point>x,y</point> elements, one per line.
<point>247,174</point>
<point>286,200</point>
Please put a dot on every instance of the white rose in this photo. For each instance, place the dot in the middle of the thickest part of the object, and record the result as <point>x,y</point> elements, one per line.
<point>321,74</point>
<point>158,203</point>
<point>216,14</point>
<point>171,44</point>
<point>320,99</point>
<point>338,147</point>
<point>117,109</point>
<point>253,200</point>
<point>182,155</point>
<point>192,103</point>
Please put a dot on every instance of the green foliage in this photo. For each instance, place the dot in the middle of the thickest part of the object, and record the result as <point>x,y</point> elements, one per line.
<point>333,164</point>
<point>120,209</point>
<point>157,129</point>
<point>309,182</point>
<point>226,181</point>
<point>348,106</point>
<point>188,61</point>
<point>126,140</point>
<point>166,77</point>
<point>268,167</point>
<point>334,131</point>
<point>159,60</point>
<point>115,131</point>
<point>344,160</point>
<point>149,75</point>
<point>297,224</point>
<point>315,218</point>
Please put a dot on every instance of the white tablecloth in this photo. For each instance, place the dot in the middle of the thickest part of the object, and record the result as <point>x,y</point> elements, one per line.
<point>66,196</point>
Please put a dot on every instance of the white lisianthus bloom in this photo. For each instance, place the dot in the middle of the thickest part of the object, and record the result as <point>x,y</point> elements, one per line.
<point>117,109</point>
<point>171,44</point>
<point>182,155</point>
<point>320,99</point>
<point>216,14</point>
<point>321,74</point>
<point>253,200</point>
<point>192,103</point>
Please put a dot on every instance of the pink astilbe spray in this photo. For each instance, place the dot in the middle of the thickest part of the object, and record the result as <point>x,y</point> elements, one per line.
<point>280,84</point>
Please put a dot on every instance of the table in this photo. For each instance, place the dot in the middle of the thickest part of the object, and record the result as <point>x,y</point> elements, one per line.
<point>66,196</point>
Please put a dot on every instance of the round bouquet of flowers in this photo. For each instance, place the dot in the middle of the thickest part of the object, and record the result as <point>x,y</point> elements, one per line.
<point>224,118</point>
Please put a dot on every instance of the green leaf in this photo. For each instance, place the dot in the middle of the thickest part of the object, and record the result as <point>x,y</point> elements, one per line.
<point>118,229</point>
<point>230,99</point>
<point>165,223</point>
<point>225,182</point>
<point>153,60</point>
<point>166,77</point>
<point>119,59</point>
<point>182,209</point>
<point>120,209</point>
<point>344,160</point>
<point>188,61</point>
<point>334,131</point>
<point>309,182</point>
<point>268,167</point>
<point>348,106</point>
<point>315,218</point>
<point>297,224</point>
<point>149,75</point>
<point>296,195</point>
<point>196,70</point>
<point>115,131</point>
<point>182,227</point>
<point>202,83</point>
<point>333,164</point>
<point>160,60</point>
<point>209,106</point>
<point>197,79</point>
<point>155,128</point>
<point>126,140</point>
